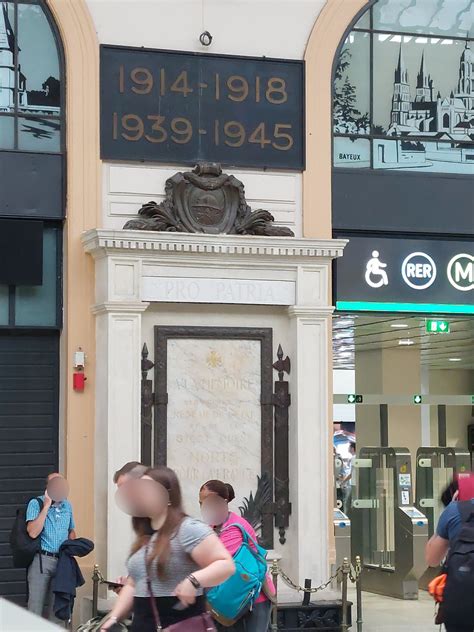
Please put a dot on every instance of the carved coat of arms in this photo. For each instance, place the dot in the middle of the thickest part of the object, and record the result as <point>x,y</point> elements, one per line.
<point>205,200</point>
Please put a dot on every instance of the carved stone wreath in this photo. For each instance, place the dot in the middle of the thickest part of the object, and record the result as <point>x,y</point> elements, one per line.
<point>205,200</point>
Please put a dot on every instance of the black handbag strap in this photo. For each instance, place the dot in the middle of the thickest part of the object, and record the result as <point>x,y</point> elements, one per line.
<point>154,607</point>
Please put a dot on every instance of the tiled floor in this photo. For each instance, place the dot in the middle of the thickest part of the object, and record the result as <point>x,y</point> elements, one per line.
<point>385,614</point>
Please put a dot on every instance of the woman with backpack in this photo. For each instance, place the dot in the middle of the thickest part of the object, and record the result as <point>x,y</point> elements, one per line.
<point>214,498</point>
<point>167,570</point>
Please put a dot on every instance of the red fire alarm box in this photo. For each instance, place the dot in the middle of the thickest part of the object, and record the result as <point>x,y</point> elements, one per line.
<point>78,381</point>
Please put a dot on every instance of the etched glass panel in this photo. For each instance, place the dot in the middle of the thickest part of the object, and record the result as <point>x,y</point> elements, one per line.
<point>351,152</point>
<point>423,86</point>
<point>39,134</point>
<point>351,104</point>
<point>7,132</point>
<point>39,78</point>
<point>431,17</point>
<point>417,155</point>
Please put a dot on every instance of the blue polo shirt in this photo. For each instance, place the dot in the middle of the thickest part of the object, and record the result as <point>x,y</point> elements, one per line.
<point>57,525</point>
<point>449,524</point>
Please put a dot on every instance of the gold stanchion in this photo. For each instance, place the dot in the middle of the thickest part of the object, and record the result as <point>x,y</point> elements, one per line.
<point>358,570</point>
<point>346,569</point>
<point>274,569</point>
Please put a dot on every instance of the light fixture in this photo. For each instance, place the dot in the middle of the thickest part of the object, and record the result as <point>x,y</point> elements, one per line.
<point>406,342</point>
<point>399,326</point>
<point>455,359</point>
<point>344,322</point>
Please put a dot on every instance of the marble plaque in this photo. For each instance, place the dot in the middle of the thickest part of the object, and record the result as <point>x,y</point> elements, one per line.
<point>214,414</point>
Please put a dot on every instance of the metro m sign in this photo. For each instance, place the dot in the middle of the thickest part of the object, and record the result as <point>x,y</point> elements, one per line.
<point>461,272</point>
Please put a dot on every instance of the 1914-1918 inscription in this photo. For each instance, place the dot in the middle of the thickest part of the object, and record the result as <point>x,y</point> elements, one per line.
<point>184,107</point>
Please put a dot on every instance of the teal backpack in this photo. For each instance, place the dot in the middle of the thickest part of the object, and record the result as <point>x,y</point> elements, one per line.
<point>229,601</point>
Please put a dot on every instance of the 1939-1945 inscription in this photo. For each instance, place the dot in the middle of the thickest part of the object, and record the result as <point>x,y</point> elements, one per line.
<point>186,107</point>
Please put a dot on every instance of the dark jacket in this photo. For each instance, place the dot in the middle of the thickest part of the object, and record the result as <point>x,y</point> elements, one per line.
<point>68,576</point>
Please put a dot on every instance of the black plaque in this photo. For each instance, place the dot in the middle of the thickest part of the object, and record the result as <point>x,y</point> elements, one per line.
<point>176,107</point>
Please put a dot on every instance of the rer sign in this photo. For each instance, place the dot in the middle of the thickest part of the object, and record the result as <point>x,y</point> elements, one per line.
<point>384,274</point>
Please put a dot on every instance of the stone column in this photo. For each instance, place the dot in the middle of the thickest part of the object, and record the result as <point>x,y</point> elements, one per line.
<point>309,484</point>
<point>119,340</point>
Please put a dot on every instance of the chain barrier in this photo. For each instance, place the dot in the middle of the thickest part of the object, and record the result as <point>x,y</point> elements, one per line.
<point>354,571</point>
<point>344,573</point>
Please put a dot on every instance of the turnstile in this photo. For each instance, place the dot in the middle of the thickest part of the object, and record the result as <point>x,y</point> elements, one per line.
<point>388,531</point>
<point>435,469</point>
<point>342,536</point>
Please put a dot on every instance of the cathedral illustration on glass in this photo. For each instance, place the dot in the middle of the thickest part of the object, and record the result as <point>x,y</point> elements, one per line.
<point>448,120</point>
<point>45,101</point>
<point>423,128</point>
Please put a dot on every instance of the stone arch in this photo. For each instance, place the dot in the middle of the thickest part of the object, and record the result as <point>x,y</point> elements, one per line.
<point>446,120</point>
<point>328,31</point>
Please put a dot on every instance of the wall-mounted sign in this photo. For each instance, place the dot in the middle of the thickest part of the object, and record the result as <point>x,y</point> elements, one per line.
<point>405,275</point>
<point>187,107</point>
<point>435,326</point>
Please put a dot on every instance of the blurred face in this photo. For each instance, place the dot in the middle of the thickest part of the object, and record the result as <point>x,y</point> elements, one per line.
<point>142,498</point>
<point>58,488</point>
<point>122,479</point>
<point>214,509</point>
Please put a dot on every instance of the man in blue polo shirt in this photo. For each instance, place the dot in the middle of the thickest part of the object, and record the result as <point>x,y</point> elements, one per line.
<point>55,524</point>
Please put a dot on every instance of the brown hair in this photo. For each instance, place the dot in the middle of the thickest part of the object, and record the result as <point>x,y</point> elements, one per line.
<point>133,469</point>
<point>224,490</point>
<point>142,526</point>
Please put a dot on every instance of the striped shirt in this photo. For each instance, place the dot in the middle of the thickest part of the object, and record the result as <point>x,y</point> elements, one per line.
<point>59,521</point>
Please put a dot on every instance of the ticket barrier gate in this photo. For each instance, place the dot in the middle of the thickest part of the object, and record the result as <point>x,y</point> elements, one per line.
<point>386,527</point>
<point>342,536</point>
<point>341,523</point>
<point>435,469</point>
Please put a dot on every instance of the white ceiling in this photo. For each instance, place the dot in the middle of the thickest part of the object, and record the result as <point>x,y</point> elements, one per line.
<point>352,333</point>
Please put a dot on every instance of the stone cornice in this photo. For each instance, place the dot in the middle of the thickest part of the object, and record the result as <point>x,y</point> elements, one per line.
<point>101,242</point>
<point>119,307</point>
<point>310,312</point>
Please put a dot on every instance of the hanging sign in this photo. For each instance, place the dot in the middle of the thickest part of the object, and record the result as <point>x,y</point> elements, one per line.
<point>406,275</point>
<point>176,107</point>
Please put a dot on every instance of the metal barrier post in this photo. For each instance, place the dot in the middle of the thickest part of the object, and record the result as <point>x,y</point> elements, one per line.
<point>96,577</point>
<point>274,573</point>
<point>359,593</point>
<point>346,569</point>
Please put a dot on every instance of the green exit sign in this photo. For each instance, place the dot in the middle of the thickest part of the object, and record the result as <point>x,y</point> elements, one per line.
<point>354,399</point>
<point>417,399</point>
<point>437,326</point>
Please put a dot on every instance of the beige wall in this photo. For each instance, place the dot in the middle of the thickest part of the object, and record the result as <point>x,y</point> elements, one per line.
<point>325,38</point>
<point>83,212</point>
